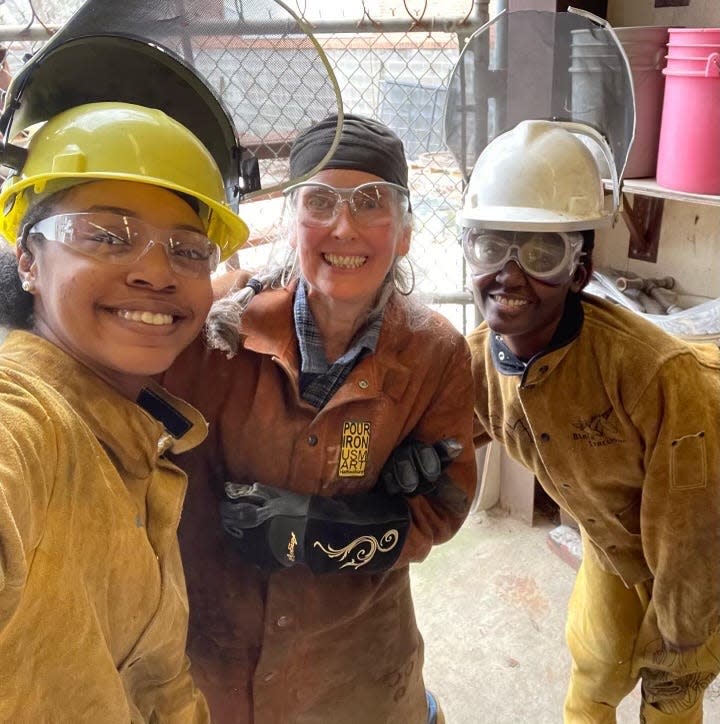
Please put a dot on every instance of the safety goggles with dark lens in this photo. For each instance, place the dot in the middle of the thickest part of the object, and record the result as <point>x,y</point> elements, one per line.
<point>372,204</point>
<point>119,239</point>
<point>549,257</point>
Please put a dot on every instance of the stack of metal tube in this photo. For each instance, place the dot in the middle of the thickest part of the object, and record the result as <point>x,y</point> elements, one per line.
<point>648,295</point>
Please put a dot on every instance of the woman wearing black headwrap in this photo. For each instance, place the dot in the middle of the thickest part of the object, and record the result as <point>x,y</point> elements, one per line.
<point>302,611</point>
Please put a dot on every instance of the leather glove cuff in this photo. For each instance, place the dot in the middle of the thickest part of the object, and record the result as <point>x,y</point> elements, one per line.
<point>363,533</point>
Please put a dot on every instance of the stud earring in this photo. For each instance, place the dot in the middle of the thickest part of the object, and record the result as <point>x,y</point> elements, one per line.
<point>28,285</point>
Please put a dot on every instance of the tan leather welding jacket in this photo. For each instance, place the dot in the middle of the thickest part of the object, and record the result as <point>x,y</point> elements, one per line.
<point>621,427</point>
<point>93,608</point>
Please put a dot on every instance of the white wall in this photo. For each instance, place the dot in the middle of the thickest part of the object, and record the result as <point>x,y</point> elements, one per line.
<point>689,249</point>
<point>643,12</point>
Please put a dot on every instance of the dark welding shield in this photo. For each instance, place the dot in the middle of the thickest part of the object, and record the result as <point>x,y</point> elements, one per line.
<point>253,72</point>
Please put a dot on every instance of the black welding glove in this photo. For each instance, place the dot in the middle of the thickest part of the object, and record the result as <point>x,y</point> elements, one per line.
<point>276,528</point>
<point>414,467</point>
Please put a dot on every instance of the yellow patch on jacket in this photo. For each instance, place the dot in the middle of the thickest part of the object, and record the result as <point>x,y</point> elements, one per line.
<point>354,448</point>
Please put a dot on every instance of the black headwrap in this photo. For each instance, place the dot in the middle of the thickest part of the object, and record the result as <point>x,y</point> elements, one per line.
<point>365,145</point>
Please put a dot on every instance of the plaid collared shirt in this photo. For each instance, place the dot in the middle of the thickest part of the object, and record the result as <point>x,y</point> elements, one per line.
<point>319,379</point>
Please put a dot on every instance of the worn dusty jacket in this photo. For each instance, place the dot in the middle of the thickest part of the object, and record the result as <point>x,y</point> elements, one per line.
<point>294,648</point>
<point>93,608</point>
<point>622,428</point>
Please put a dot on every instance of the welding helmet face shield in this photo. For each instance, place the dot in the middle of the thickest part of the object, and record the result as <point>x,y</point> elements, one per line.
<point>567,68</point>
<point>190,65</point>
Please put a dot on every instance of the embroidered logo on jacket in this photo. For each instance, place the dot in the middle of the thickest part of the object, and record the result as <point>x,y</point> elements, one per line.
<point>598,431</point>
<point>354,448</point>
<point>516,432</point>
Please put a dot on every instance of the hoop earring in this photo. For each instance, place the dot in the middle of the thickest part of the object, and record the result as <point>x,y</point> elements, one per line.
<point>397,279</point>
<point>288,269</point>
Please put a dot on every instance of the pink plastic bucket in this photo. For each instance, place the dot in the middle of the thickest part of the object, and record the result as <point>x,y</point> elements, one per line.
<point>645,49</point>
<point>694,36</point>
<point>692,51</point>
<point>695,66</point>
<point>689,152</point>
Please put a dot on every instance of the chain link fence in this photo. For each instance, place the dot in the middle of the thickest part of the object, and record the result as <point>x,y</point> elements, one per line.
<point>392,62</point>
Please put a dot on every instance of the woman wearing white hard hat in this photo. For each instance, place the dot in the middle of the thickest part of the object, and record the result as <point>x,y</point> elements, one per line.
<point>617,420</point>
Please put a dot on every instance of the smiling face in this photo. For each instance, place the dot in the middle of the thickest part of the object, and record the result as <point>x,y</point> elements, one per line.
<point>124,321</point>
<point>525,311</point>
<point>346,261</point>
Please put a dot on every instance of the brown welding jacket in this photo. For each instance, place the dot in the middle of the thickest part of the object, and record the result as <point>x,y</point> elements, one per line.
<point>293,648</point>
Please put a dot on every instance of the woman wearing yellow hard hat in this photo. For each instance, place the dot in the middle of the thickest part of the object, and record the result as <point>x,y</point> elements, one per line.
<point>121,142</point>
<point>115,215</point>
<point>119,218</point>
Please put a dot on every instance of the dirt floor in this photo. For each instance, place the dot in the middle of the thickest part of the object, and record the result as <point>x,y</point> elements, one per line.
<point>491,605</point>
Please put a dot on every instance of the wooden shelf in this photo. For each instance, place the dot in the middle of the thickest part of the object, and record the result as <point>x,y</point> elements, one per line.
<point>649,187</point>
<point>643,215</point>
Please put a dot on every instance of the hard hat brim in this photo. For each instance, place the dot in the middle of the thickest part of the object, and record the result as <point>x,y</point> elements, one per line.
<point>516,218</point>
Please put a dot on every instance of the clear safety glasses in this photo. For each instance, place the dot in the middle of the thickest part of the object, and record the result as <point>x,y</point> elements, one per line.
<point>371,204</point>
<point>119,239</point>
<point>549,257</point>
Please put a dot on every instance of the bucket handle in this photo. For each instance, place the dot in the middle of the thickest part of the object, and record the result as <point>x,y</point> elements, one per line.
<point>583,129</point>
<point>712,67</point>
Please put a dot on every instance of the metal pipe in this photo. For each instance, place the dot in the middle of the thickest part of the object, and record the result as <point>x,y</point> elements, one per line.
<point>460,297</point>
<point>477,18</point>
<point>334,27</point>
<point>652,306</point>
<point>666,298</point>
<point>10,33</point>
<point>663,282</point>
<point>623,283</point>
<point>481,9</point>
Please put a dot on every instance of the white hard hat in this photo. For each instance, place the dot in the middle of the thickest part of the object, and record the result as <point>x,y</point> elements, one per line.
<point>539,176</point>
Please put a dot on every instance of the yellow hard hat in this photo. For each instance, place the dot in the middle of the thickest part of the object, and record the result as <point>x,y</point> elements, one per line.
<point>122,142</point>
